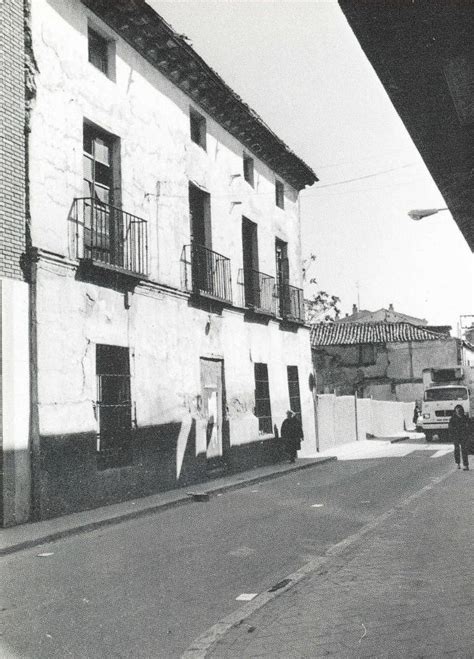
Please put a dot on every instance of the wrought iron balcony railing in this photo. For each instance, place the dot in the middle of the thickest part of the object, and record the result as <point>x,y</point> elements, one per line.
<point>107,235</point>
<point>291,303</point>
<point>257,291</point>
<point>207,273</point>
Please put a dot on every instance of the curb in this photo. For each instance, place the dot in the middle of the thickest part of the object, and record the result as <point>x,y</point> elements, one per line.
<point>190,497</point>
<point>398,439</point>
<point>209,639</point>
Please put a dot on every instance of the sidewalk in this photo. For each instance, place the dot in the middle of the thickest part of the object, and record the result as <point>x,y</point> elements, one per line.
<point>37,533</point>
<point>404,589</point>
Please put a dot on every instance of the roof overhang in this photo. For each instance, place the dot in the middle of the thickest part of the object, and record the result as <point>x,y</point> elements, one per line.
<point>138,24</point>
<point>422,52</point>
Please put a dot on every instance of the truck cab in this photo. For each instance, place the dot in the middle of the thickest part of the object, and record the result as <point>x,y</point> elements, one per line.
<point>438,408</point>
<point>444,389</point>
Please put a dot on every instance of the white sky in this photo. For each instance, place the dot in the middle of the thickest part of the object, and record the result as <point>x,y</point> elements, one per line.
<point>300,67</point>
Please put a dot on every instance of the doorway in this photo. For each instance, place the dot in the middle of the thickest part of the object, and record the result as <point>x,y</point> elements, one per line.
<point>213,405</point>
<point>250,262</point>
<point>282,276</point>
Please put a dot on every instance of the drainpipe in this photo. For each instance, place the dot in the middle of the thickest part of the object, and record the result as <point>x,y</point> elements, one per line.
<point>35,457</point>
<point>30,260</point>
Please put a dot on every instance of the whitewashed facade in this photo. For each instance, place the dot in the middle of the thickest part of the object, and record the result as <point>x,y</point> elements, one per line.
<point>164,283</point>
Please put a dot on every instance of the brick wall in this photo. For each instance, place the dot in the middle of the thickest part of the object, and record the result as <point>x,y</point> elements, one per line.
<point>12,138</point>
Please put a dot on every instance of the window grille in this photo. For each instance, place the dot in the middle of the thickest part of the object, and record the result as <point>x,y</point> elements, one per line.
<point>294,390</point>
<point>114,406</point>
<point>262,399</point>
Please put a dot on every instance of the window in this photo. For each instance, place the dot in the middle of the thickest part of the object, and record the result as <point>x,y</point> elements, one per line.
<point>248,170</point>
<point>446,393</point>
<point>367,354</point>
<point>101,189</point>
<point>282,269</point>
<point>250,262</point>
<point>262,399</point>
<point>203,268</point>
<point>294,390</point>
<point>279,194</point>
<point>114,406</point>
<point>200,216</point>
<point>357,355</point>
<point>198,128</point>
<point>101,52</point>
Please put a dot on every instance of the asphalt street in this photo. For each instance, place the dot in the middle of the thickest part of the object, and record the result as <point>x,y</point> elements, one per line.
<point>149,586</point>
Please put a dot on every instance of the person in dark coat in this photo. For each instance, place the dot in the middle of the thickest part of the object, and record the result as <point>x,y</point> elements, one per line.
<point>291,434</point>
<point>416,414</point>
<point>459,432</point>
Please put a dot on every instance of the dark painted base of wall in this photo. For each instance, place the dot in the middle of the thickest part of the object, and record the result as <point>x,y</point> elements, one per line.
<point>71,479</point>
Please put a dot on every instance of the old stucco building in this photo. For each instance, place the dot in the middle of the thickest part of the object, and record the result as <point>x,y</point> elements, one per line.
<point>381,360</point>
<point>167,321</point>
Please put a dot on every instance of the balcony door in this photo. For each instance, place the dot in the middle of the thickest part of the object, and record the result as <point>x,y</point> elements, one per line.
<point>282,276</point>
<point>250,262</point>
<point>102,223</point>
<point>202,262</point>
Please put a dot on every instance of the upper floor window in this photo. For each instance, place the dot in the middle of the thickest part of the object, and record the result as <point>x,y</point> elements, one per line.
<point>101,52</point>
<point>101,189</point>
<point>198,128</point>
<point>248,170</point>
<point>367,354</point>
<point>279,194</point>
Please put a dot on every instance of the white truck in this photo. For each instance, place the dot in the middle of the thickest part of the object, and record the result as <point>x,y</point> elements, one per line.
<point>443,389</point>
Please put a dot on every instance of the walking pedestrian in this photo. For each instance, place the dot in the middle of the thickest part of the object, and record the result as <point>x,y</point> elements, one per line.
<point>292,434</point>
<point>459,433</point>
<point>416,414</point>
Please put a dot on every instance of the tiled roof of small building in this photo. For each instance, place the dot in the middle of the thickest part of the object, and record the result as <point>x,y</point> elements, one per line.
<point>332,334</point>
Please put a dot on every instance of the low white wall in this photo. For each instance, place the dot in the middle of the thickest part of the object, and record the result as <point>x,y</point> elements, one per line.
<point>343,419</point>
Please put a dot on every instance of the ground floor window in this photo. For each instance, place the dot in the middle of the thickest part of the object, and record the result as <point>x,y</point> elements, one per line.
<point>114,406</point>
<point>294,390</point>
<point>262,399</point>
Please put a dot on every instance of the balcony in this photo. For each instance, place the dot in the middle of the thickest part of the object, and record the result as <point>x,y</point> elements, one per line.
<point>291,305</point>
<point>258,292</point>
<point>108,237</point>
<point>207,273</point>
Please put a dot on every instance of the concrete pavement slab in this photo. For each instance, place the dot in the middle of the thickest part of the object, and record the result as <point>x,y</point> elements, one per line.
<point>37,533</point>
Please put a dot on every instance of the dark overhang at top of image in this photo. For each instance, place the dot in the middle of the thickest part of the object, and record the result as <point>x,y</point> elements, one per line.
<point>138,24</point>
<point>423,53</point>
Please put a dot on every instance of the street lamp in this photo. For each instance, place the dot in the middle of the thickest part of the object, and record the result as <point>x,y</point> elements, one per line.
<point>426,212</point>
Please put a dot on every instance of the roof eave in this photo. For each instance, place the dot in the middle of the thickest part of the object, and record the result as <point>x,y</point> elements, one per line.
<point>140,26</point>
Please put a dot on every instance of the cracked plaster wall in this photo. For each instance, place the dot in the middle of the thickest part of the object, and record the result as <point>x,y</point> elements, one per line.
<point>166,337</point>
<point>75,316</point>
<point>151,118</point>
<point>396,374</point>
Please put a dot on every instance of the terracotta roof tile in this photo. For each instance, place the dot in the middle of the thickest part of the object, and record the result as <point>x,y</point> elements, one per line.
<point>327,334</point>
